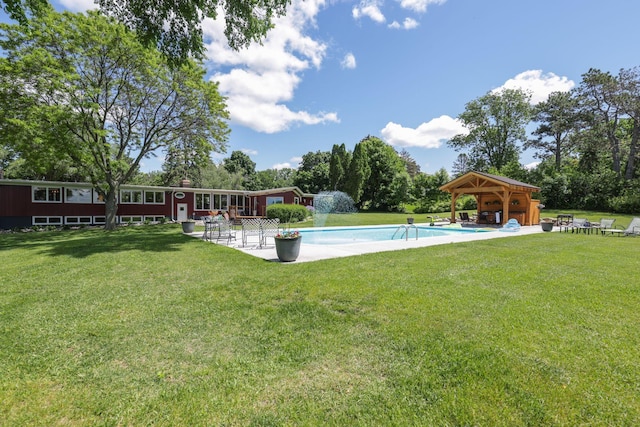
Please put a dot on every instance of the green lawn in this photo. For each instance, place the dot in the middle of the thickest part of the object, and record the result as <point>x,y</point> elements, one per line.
<point>147,326</point>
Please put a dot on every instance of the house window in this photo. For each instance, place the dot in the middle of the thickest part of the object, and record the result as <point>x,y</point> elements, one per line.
<point>153,218</point>
<point>77,220</point>
<point>46,194</point>
<point>296,200</point>
<point>77,195</point>
<point>154,197</point>
<point>47,220</point>
<point>101,220</point>
<point>97,197</point>
<point>131,219</point>
<point>224,205</point>
<point>274,200</point>
<point>131,196</point>
<point>203,201</point>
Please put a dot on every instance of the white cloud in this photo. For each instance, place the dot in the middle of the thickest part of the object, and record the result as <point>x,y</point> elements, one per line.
<point>259,80</point>
<point>407,24</point>
<point>278,166</point>
<point>78,5</point>
<point>349,61</point>
<point>428,135</point>
<point>296,159</point>
<point>369,8</point>
<point>540,85</point>
<point>249,151</point>
<point>419,5</point>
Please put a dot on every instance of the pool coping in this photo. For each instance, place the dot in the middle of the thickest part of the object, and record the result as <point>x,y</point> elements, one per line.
<point>310,252</point>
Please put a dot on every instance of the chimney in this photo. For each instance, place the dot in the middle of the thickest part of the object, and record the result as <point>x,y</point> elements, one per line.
<point>185,183</point>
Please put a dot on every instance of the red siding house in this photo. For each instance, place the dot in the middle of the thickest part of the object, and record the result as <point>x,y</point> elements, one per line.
<point>27,203</point>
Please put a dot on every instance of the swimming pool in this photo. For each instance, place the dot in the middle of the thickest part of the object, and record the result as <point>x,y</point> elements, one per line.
<point>346,235</point>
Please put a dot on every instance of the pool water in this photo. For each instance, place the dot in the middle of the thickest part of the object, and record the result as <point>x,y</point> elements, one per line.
<point>346,235</point>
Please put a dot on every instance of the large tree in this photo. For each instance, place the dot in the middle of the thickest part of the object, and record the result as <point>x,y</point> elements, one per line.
<point>313,173</point>
<point>338,165</point>
<point>387,185</point>
<point>241,163</point>
<point>88,91</point>
<point>496,123</point>
<point>175,26</point>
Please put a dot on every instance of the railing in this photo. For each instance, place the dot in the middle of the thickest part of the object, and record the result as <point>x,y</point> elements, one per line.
<point>405,231</point>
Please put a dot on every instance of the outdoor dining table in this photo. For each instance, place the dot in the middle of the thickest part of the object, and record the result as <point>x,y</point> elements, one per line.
<point>209,228</point>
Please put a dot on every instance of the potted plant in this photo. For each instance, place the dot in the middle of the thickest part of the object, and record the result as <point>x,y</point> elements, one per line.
<point>188,226</point>
<point>410,220</point>
<point>547,224</point>
<point>288,245</point>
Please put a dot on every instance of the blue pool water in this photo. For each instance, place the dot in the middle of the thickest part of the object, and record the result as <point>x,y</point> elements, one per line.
<point>346,235</point>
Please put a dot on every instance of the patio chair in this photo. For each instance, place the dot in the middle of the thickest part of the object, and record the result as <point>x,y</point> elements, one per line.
<point>269,228</point>
<point>250,227</point>
<point>226,231</point>
<point>632,230</point>
<point>579,224</point>
<point>464,217</point>
<point>606,224</point>
<point>210,227</point>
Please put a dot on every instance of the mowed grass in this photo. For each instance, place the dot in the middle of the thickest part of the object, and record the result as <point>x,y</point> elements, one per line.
<point>146,326</point>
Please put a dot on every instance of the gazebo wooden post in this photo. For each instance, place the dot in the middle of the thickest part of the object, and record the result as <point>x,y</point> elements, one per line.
<point>454,197</point>
<point>506,194</point>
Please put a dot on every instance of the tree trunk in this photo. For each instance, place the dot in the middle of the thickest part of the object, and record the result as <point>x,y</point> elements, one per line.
<point>111,209</point>
<point>633,151</point>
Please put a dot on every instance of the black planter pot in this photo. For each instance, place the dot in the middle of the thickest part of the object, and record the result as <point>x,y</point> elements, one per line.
<point>288,249</point>
<point>546,226</point>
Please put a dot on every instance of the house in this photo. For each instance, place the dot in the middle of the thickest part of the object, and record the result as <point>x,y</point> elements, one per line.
<point>25,203</point>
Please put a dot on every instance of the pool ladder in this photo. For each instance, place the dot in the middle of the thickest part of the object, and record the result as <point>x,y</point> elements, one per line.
<point>405,231</point>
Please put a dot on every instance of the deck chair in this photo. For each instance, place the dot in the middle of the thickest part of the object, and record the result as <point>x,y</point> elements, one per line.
<point>605,224</point>
<point>632,230</point>
<point>269,228</point>
<point>578,225</point>
<point>250,227</point>
<point>464,217</point>
<point>226,231</point>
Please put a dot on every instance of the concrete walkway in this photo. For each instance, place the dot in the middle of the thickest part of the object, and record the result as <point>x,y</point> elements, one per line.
<point>317,252</point>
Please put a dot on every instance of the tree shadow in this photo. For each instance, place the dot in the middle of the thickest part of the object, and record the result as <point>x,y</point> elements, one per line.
<point>87,242</point>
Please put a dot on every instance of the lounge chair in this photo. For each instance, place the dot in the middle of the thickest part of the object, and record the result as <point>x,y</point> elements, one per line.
<point>632,230</point>
<point>605,224</point>
<point>464,217</point>
<point>579,224</point>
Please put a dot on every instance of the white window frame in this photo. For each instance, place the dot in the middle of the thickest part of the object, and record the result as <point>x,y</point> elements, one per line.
<point>202,206</point>
<point>49,192</point>
<point>155,195</point>
<point>154,218</point>
<point>296,200</point>
<point>78,195</point>
<point>127,197</point>
<point>133,219</point>
<point>78,220</point>
<point>46,220</point>
<point>100,220</point>
<point>275,200</point>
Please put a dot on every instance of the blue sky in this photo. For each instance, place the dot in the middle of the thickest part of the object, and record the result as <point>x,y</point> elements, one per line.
<point>333,72</point>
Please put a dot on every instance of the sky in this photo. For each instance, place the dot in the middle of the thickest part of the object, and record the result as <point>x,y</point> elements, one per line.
<point>335,72</point>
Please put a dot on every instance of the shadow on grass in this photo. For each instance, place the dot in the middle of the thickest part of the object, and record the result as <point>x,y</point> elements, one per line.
<point>83,243</point>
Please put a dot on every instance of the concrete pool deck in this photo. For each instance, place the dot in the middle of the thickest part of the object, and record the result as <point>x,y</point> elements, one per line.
<point>310,252</point>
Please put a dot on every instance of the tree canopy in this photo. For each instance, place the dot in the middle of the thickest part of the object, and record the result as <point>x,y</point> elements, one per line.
<point>496,124</point>
<point>175,27</point>
<point>82,88</point>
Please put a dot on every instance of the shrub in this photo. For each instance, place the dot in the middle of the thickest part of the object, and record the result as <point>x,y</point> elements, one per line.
<point>287,213</point>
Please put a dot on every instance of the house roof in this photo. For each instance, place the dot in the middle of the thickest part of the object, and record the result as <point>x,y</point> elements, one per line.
<point>480,182</point>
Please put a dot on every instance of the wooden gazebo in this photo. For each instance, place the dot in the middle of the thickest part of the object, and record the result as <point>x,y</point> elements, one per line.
<point>499,198</point>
